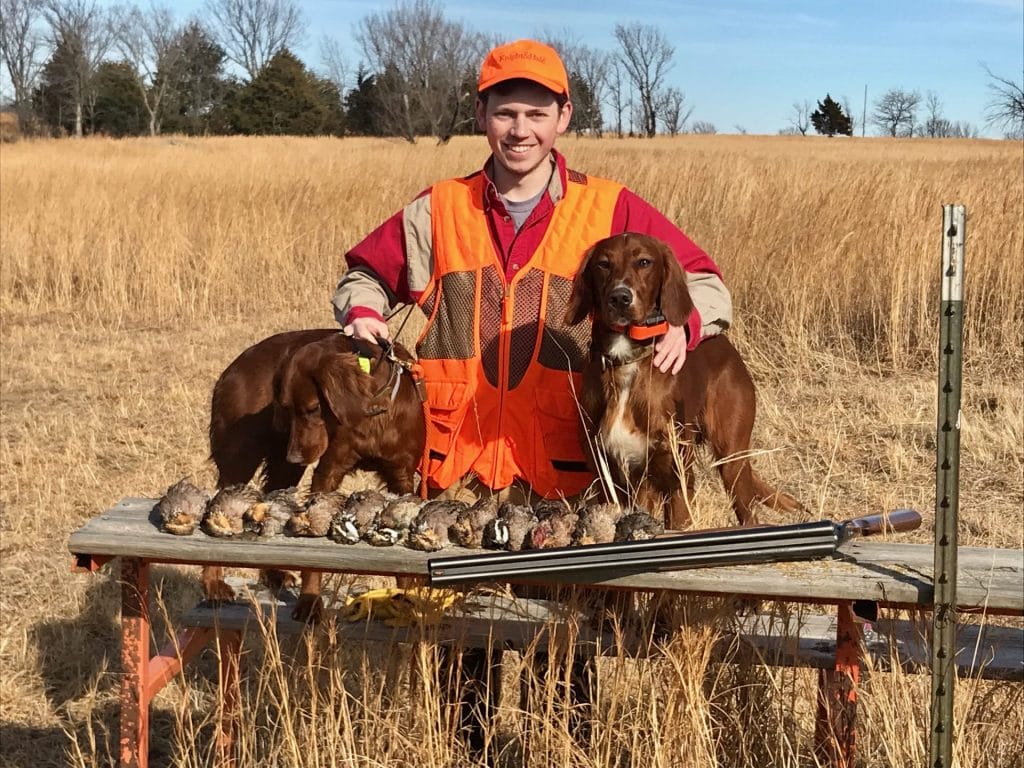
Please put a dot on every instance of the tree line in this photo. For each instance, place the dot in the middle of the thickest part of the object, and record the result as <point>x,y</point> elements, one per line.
<point>79,68</point>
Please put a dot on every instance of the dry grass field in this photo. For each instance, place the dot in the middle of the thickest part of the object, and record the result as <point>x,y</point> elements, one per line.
<point>134,271</point>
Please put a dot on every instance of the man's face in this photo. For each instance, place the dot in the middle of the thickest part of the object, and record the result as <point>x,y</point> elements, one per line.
<point>522,125</point>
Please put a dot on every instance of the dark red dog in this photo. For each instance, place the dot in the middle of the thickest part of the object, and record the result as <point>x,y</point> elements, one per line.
<point>631,408</point>
<point>303,397</point>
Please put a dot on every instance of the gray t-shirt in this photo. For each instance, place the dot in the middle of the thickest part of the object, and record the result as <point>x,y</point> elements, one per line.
<point>521,211</point>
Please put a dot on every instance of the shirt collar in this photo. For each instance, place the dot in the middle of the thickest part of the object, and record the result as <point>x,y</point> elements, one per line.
<point>556,186</point>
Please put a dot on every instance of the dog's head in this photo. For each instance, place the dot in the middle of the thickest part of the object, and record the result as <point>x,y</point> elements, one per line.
<point>624,279</point>
<point>319,387</point>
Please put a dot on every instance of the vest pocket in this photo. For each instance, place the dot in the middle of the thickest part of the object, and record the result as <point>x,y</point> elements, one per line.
<point>446,406</point>
<point>558,419</point>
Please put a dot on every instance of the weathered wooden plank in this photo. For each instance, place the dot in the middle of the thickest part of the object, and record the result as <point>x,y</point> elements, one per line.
<point>809,640</point>
<point>479,621</point>
<point>801,639</point>
<point>891,573</point>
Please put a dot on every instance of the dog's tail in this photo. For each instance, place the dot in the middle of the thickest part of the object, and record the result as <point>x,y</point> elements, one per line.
<point>773,497</point>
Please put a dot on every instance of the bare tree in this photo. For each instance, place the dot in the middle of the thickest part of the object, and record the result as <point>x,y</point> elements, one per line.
<point>935,125</point>
<point>252,31</point>
<point>618,91</point>
<point>426,66</point>
<point>21,48</point>
<point>848,109</point>
<point>673,111</point>
<point>151,43</point>
<point>334,64</point>
<point>800,116</point>
<point>703,127</point>
<point>1005,109</point>
<point>895,113</point>
<point>646,55</point>
<point>80,27</point>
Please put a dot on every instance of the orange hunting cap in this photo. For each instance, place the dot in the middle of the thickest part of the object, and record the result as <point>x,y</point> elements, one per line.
<point>526,59</point>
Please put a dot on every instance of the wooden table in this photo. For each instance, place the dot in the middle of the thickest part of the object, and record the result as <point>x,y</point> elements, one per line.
<point>871,572</point>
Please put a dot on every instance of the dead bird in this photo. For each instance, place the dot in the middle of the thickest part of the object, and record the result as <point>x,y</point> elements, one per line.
<point>555,526</point>
<point>182,507</point>
<point>225,513</point>
<point>596,524</point>
<point>358,517</point>
<point>468,528</point>
<point>269,517</point>
<point>314,518</point>
<point>394,521</point>
<point>429,531</point>
<point>637,525</point>
<point>509,530</point>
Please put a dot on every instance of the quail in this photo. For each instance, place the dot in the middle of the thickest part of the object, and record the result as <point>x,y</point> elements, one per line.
<point>226,511</point>
<point>314,519</point>
<point>182,507</point>
<point>557,521</point>
<point>394,521</point>
<point>429,531</point>
<point>510,528</point>
<point>269,517</point>
<point>596,524</point>
<point>358,517</point>
<point>468,528</point>
<point>637,525</point>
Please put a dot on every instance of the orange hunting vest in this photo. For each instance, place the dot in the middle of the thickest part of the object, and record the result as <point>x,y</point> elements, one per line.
<point>499,363</point>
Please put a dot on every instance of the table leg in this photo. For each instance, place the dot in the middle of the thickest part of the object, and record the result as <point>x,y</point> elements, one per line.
<point>230,647</point>
<point>835,730</point>
<point>134,744</point>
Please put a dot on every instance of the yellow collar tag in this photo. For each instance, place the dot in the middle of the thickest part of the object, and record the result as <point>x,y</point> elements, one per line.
<point>364,364</point>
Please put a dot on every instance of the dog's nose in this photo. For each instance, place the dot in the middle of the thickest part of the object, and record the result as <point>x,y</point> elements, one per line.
<point>620,297</point>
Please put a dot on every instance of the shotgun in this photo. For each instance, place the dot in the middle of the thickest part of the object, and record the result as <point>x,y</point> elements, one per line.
<point>699,549</point>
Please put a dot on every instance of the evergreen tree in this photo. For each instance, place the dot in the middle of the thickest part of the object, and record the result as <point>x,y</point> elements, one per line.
<point>118,109</point>
<point>195,105</point>
<point>829,119</point>
<point>361,106</point>
<point>287,99</point>
<point>54,98</point>
<point>586,110</point>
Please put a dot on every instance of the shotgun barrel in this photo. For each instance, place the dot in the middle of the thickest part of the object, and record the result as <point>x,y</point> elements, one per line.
<point>726,546</point>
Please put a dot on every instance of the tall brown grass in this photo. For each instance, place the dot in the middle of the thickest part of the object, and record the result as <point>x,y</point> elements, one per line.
<point>134,271</point>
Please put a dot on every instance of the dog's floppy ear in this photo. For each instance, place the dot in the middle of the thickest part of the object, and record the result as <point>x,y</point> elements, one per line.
<point>581,301</point>
<point>345,387</point>
<point>676,303</point>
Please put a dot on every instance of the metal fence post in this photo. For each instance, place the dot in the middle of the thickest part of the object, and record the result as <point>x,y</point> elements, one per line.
<point>947,485</point>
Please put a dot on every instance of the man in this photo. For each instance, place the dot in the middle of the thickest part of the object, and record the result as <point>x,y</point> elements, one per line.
<point>490,260</point>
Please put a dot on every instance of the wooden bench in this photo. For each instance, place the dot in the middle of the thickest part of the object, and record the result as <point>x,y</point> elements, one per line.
<point>868,573</point>
<point>502,620</point>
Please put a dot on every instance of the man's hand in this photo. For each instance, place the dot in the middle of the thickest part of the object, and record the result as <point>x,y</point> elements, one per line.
<point>367,329</point>
<point>670,350</point>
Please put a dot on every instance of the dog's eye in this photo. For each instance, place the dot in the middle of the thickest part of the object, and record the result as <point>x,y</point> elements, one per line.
<point>604,265</point>
<point>644,263</point>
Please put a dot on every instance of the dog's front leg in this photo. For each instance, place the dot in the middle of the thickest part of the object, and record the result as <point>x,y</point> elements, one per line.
<point>310,607</point>
<point>677,512</point>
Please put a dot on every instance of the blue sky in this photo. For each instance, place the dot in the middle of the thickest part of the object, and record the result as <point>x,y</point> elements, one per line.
<point>744,62</point>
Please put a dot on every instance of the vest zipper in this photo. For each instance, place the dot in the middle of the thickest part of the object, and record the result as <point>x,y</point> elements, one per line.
<point>503,353</point>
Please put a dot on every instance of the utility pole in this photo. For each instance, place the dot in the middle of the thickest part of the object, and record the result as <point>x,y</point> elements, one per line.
<point>864,113</point>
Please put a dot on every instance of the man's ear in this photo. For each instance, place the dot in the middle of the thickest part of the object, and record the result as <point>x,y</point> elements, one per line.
<point>581,300</point>
<point>481,112</point>
<point>676,303</point>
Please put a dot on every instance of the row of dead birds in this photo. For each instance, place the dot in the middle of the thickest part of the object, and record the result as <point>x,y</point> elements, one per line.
<point>384,519</point>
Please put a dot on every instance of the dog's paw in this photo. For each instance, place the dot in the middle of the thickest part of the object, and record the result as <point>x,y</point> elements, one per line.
<point>218,591</point>
<point>309,609</point>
